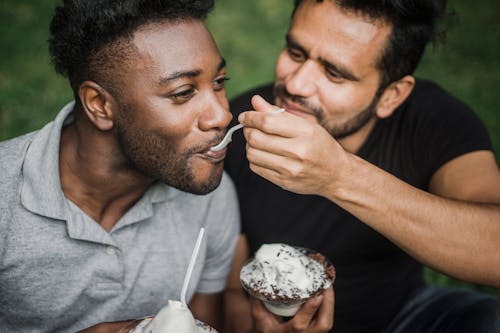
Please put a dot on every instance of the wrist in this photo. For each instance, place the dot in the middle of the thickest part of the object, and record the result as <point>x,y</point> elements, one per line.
<point>342,180</point>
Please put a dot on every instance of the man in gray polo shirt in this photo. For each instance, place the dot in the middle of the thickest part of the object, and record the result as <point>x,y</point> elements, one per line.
<point>101,208</point>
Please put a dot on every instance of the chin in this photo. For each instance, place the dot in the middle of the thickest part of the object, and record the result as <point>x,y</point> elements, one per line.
<point>198,181</point>
<point>206,186</point>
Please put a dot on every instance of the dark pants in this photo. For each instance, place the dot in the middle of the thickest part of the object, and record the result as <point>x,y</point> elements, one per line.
<point>446,310</point>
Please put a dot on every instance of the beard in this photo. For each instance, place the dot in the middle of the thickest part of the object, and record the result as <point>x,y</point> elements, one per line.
<point>338,131</point>
<point>157,156</point>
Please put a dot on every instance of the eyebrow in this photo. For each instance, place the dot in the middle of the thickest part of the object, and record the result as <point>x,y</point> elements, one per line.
<point>339,68</point>
<point>188,74</point>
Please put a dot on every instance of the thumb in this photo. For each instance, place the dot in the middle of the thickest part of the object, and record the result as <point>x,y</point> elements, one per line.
<point>260,104</point>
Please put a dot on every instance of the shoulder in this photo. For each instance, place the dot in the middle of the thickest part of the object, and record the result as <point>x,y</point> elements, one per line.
<point>439,126</point>
<point>12,153</point>
<point>15,147</point>
<point>433,111</point>
<point>429,100</point>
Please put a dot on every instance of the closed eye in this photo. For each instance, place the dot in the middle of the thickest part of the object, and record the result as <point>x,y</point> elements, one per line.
<point>220,83</point>
<point>295,55</point>
<point>182,96</point>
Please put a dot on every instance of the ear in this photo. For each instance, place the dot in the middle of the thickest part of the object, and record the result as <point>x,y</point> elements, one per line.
<point>97,102</point>
<point>394,95</point>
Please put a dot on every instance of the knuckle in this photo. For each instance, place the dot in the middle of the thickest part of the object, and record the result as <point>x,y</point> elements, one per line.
<point>325,326</point>
<point>265,123</point>
<point>299,326</point>
<point>300,153</point>
<point>251,137</point>
<point>296,171</point>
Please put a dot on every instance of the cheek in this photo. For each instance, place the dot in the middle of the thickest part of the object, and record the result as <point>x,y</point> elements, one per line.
<point>284,66</point>
<point>172,121</point>
<point>344,97</point>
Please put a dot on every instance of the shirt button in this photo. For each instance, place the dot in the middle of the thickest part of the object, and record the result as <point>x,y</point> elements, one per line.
<point>111,250</point>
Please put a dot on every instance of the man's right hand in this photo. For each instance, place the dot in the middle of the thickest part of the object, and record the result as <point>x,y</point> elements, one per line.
<point>315,316</point>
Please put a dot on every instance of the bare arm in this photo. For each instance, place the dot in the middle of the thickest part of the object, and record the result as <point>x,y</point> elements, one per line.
<point>454,229</point>
<point>237,311</point>
<point>456,232</point>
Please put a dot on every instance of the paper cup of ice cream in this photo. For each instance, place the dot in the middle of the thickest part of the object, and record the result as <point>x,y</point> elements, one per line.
<point>283,277</point>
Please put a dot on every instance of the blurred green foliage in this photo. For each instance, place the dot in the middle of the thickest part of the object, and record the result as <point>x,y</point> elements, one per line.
<point>250,35</point>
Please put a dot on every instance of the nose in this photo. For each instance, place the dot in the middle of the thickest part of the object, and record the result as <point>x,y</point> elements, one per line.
<point>215,114</point>
<point>301,81</point>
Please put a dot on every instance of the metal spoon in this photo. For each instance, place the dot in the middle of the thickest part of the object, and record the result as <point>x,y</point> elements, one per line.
<point>230,132</point>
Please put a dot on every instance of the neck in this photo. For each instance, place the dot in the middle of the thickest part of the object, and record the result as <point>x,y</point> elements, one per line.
<point>96,176</point>
<point>353,142</point>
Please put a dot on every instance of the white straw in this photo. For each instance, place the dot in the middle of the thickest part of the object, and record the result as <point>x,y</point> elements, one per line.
<point>187,277</point>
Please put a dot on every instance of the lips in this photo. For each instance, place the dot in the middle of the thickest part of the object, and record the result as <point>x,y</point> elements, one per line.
<point>216,156</point>
<point>296,109</point>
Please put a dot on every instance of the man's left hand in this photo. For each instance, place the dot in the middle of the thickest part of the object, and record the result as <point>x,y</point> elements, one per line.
<point>315,316</point>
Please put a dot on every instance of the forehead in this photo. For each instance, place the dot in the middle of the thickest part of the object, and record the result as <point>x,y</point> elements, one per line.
<point>175,46</point>
<point>331,31</point>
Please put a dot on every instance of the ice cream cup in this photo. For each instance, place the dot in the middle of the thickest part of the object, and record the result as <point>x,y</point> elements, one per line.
<point>289,307</point>
<point>284,310</point>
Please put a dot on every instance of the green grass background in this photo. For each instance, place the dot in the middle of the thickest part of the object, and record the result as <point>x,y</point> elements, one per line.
<point>250,34</point>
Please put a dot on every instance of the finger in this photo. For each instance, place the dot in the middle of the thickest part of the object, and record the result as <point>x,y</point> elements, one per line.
<point>273,143</point>
<point>260,104</point>
<point>264,320</point>
<point>325,315</point>
<point>284,166</point>
<point>270,123</point>
<point>268,174</point>
<point>282,124</point>
<point>304,317</point>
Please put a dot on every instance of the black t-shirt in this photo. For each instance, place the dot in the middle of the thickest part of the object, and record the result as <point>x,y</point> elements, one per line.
<point>374,277</point>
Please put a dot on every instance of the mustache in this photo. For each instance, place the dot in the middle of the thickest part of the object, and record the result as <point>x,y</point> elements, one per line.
<point>281,92</point>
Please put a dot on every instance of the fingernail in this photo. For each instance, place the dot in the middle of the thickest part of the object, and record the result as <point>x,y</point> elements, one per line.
<point>241,117</point>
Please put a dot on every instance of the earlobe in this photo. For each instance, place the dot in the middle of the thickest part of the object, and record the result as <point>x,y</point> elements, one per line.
<point>96,102</point>
<point>394,95</point>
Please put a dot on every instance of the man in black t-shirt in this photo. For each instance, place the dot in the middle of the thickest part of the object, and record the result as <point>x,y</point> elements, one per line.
<point>379,171</point>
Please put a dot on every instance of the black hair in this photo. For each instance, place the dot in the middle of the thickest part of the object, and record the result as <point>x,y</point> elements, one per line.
<point>414,23</point>
<point>90,38</point>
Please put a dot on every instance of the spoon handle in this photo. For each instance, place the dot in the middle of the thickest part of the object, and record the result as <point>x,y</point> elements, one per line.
<point>227,137</point>
<point>234,128</point>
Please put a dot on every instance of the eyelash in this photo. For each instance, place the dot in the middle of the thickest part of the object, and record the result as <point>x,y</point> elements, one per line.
<point>298,56</point>
<point>294,55</point>
<point>221,81</point>
<point>186,94</point>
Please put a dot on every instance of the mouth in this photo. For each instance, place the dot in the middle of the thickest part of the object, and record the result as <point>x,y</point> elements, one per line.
<point>296,109</point>
<point>215,156</point>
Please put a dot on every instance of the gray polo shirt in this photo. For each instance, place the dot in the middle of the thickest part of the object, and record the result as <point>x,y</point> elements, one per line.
<point>61,272</point>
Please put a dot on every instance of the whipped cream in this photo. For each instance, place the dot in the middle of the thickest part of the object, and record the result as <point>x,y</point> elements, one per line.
<point>174,317</point>
<point>280,272</point>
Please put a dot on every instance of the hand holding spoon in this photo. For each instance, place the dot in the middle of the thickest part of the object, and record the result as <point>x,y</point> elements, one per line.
<point>230,132</point>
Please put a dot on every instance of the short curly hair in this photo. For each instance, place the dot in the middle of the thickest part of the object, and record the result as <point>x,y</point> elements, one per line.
<point>90,38</point>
